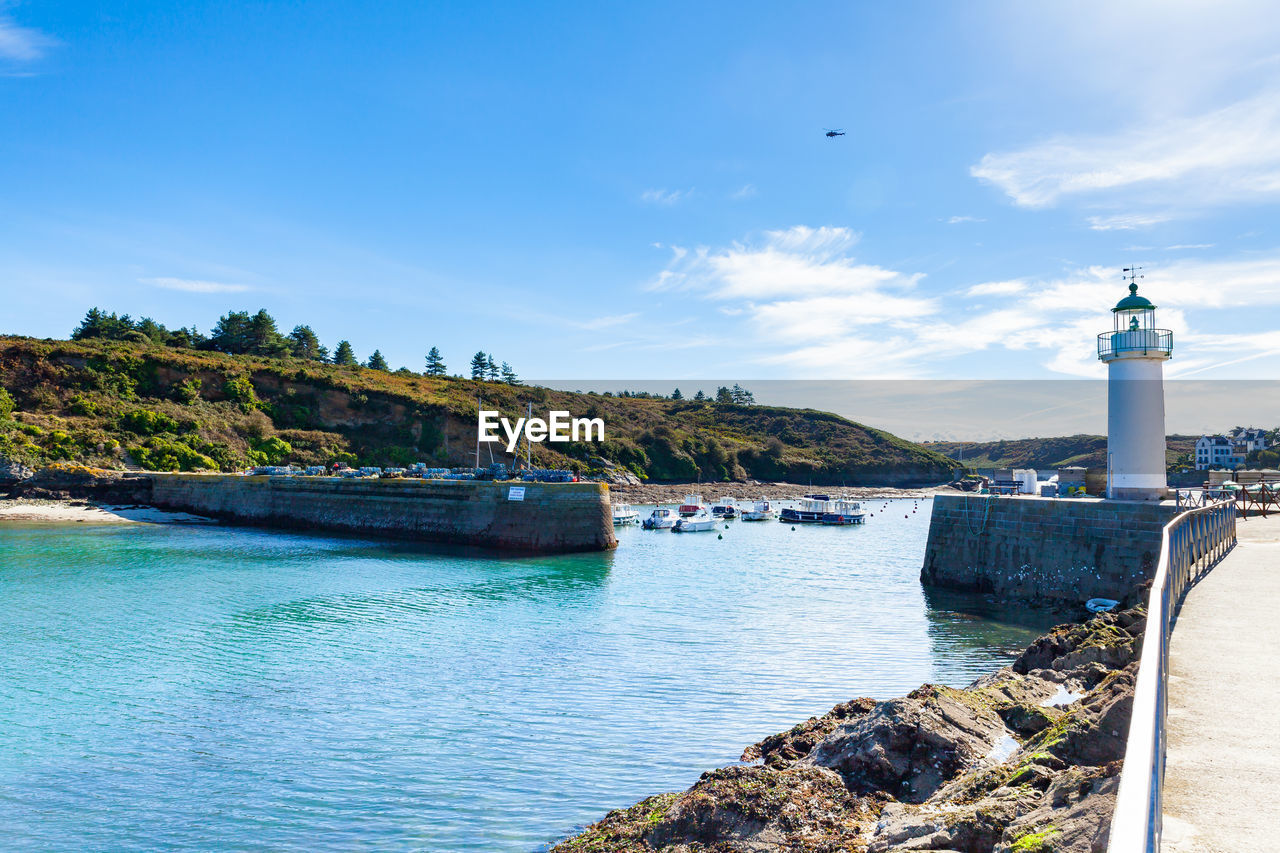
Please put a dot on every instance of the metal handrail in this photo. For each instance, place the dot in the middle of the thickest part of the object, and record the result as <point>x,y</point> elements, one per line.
<point>1190,545</point>
<point>1135,340</point>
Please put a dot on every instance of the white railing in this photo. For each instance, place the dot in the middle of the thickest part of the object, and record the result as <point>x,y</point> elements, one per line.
<point>1190,545</point>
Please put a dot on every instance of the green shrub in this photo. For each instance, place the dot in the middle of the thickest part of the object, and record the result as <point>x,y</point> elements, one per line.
<point>147,422</point>
<point>239,390</point>
<point>187,391</point>
<point>6,405</point>
<point>269,451</point>
<point>82,405</point>
<point>161,454</point>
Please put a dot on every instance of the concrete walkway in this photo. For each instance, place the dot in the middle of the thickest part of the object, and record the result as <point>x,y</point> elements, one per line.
<point>1222,779</point>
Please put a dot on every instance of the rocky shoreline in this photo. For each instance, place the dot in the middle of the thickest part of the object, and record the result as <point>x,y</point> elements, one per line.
<point>1025,760</point>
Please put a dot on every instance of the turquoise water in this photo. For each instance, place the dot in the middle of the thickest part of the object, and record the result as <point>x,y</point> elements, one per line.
<point>211,688</point>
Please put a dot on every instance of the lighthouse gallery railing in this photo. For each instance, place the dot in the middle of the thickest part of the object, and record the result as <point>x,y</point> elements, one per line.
<point>1190,545</point>
<point>1147,341</point>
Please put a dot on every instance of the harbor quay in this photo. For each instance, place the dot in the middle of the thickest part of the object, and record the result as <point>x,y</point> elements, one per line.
<point>514,516</point>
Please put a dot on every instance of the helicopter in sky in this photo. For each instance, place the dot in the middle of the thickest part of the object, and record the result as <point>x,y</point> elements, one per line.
<point>832,134</point>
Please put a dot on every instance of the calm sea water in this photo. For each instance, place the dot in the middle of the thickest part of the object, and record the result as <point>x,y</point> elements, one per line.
<point>211,688</point>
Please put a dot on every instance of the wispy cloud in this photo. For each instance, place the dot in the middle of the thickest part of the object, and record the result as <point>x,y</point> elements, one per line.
<point>665,196</point>
<point>607,321</point>
<point>21,44</point>
<point>957,220</point>
<point>804,302</point>
<point>743,193</point>
<point>188,285</point>
<point>1227,155</point>
<point>996,288</point>
<point>1185,246</point>
<point>1127,221</point>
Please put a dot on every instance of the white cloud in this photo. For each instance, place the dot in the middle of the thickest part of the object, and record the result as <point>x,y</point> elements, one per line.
<point>1227,155</point>
<point>996,288</point>
<point>956,220</point>
<point>798,299</point>
<point>607,321</point>
<point>665,196</point>
<point>1127,221</point>
<point>1182,246</point>
<point>744,192</point>
<point>21,43</point>
<point>187,285</point>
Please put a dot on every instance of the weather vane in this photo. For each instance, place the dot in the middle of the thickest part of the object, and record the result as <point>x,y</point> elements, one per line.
<point>1131,276</point>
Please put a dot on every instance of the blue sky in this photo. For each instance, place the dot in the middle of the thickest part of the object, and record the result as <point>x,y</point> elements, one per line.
<point>598,191</point>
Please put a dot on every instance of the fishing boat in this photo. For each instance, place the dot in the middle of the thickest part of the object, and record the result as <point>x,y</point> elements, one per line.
<point>692,506</point>
<point>703,522</point>
<point>845,511</point>
<point>811,510</point>
<point>724,508</point>
<point>660,519</point>
<point>761,510</point>
<point>624,514</point>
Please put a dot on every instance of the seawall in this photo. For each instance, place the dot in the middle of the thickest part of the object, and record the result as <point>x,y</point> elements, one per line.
<point>1043,549</point>
<point>543,518</point>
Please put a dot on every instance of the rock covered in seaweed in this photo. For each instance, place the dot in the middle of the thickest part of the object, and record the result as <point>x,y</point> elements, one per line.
<point>1025,759</point>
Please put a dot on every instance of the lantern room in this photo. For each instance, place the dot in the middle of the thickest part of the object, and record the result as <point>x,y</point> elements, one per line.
<point>1135,334</point>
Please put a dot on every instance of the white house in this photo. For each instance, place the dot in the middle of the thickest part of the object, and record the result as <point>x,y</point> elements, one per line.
<point>1228,451</point>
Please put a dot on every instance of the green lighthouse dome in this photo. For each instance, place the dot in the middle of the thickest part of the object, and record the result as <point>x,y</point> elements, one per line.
<point>1133,302</point>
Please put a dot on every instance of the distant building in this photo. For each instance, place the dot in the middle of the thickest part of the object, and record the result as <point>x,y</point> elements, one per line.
<point>1229,451</point>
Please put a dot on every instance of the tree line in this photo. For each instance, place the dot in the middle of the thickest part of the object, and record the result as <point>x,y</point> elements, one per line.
<point>242,333</point>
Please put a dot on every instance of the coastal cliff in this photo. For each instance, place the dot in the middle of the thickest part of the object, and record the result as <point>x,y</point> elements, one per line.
<point>1025,760</point>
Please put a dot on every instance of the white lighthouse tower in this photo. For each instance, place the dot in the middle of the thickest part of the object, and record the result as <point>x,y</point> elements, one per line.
<point>1135,352</point>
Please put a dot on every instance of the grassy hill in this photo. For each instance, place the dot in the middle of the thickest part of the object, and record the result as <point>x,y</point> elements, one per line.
<point>172,408</point>
<point>1086,451</point>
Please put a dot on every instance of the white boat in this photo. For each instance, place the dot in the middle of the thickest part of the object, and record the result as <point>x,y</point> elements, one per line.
<point>725,508</point>
<point>624,514</point>
<point>761,510</point>
<point>701,523</point>
<point>845,511</point>
<point>660,519</point>
<point>811,510</point>
<point>692,506</point>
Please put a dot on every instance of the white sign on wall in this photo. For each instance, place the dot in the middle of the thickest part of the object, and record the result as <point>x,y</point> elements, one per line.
<point>515,493</point>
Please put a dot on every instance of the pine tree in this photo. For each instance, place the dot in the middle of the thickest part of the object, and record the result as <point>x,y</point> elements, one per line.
<point>491,368</point>
<point>509,375</point>
<point>345,355</point>
<point>724,395</point>
<point>699,396</point>
<point>676,395</point>
<point>435,363</point>
<point>377,362</point>
<point>303,343</point>
<point>479,365</point>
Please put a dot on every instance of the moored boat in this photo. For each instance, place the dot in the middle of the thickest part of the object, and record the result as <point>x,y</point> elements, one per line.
<point>625,514</point>
<point>844,511</point>
<point>811,510</point>
<point>761,510</point>
<point>691,506</point>
<point>660,519</point>
<point>700,523</point>
<point>725,508</point>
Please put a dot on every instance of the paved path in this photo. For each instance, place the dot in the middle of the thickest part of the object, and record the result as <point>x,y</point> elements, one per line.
<point>1222,779</point>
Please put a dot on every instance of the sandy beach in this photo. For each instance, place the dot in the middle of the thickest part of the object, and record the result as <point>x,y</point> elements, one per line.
<point>62,512</point>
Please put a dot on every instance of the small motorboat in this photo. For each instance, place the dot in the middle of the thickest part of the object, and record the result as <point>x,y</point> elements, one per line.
<point>660,519</point>
<point>761,510</point>
<point>844,511</point>
<point>811,510</point>
<point>725,508</point>
<point>703,522</point>
<point>624,514</point>
<point>692,506</point>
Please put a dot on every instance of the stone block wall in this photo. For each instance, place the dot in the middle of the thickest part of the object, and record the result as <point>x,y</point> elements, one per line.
<point>1051,550</point>
<point>552,517</point>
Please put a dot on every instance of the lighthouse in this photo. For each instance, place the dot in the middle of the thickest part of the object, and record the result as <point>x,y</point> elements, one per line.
<point>1135,352</point>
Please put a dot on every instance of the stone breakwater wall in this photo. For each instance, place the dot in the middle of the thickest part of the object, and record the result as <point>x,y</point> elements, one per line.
<point>544,518</point>
<point>1043,549</point>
